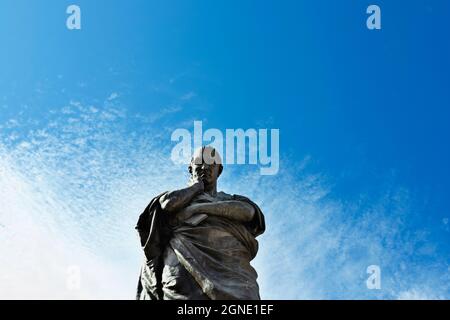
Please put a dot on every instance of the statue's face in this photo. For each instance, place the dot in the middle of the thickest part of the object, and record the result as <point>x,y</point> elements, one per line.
<point>204,166</point>
<point>208,173</point>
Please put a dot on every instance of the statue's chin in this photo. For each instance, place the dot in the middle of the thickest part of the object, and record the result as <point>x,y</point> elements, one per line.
<point>208,185</point>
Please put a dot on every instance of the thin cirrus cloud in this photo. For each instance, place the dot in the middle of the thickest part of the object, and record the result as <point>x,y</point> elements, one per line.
<point>73,187</point>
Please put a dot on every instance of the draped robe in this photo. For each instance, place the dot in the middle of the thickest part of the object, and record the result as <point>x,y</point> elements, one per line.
<point>205,257</point>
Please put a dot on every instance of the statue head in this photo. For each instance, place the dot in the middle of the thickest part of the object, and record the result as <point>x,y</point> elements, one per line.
<point>206,165</point>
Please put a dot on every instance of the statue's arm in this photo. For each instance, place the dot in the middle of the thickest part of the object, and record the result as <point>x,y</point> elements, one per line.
<point>176,200</point>
<point>230,209</point>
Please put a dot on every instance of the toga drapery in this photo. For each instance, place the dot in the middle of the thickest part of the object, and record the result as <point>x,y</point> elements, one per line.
<point>208,260</point>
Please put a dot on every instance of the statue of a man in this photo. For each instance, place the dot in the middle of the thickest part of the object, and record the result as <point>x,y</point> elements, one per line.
<point>197,242</point>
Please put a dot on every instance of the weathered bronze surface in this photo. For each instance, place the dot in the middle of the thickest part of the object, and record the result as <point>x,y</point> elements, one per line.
<point>197,242</point>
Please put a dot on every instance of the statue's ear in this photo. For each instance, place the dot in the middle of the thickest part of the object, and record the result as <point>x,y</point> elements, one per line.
<point>220,170</point>
<point>190,169</point>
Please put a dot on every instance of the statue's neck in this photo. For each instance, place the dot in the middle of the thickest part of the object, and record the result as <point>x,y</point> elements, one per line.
<point>211,190</point>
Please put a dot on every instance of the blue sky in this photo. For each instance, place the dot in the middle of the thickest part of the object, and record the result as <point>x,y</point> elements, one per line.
<point>86,118</point>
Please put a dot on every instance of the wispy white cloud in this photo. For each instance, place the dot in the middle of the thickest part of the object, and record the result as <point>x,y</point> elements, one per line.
<point>317,247</point>
<point>417,294</point>
<point>113,96</point>
<point>73,188</point>
<point>188,96</point>
<point>71,193</point>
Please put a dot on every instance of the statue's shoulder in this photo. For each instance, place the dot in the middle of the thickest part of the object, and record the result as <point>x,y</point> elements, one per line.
<point>258,225</point>
<point>226,196</point>
<point>223,196</point>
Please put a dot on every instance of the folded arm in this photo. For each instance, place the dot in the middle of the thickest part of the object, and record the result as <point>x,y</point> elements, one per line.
<point>230,209</point>
<point>176,200</point>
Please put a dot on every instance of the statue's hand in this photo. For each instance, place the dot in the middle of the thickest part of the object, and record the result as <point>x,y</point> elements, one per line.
<point>176,200</point>
<point>187,212</point>
<point>200,185</point>
<point>197,183</point>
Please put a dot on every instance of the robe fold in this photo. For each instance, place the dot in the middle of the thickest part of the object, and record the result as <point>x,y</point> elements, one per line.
<point>208,260</point>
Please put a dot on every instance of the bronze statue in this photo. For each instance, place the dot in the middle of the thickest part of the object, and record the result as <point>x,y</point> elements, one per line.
<point>197,242</point>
